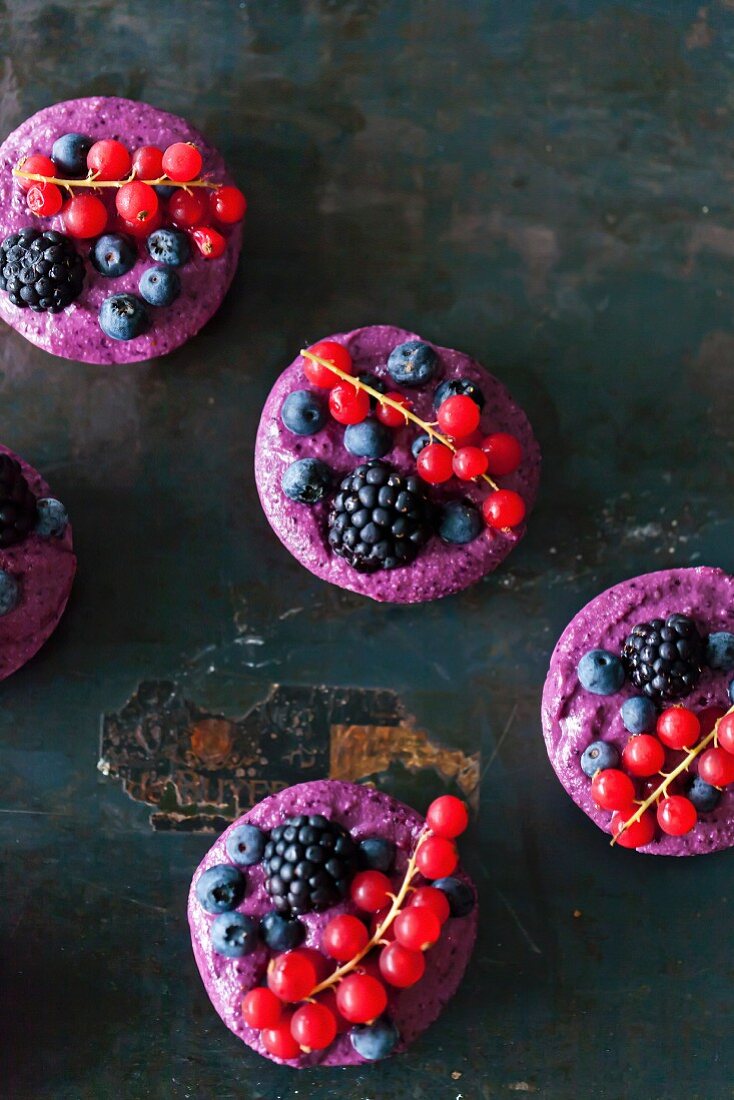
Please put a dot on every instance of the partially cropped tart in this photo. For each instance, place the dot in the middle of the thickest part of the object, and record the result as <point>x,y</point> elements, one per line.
<point>394,467</point>
<point>331,923</point>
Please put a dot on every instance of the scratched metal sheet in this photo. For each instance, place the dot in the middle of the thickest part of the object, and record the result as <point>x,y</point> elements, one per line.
<point>547,186</point>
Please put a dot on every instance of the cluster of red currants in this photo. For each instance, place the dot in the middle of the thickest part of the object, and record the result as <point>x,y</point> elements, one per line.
<point>644,756</point>
<point>458,418</point>
<point>293,1016</point>
<point>136,200</point>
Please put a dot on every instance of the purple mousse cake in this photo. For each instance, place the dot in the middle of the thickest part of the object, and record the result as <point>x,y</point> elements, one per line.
<point>404,473</point>
<point>638,711</point>
<point>331,923</point>
<point>37,562</point>
<point>120,230</point>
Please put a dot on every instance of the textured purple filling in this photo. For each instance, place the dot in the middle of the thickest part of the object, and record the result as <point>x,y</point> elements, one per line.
<point>364,812</point>
<point>440,568</point>
<point>44,569</point>
<point>572,717</point>
<point>75,333</point>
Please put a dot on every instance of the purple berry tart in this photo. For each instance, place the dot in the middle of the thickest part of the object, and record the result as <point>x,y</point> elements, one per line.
<point>332,923</point>
<point>37,562</point>
<point>638,711</point>
<point>120,230</point>
<point>393,467</point>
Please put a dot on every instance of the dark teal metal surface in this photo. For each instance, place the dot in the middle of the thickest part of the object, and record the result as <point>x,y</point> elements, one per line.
<point>547,186</point>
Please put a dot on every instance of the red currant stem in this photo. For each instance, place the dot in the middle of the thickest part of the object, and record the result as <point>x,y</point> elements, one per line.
<point>93,182</point>
<point>383,399</point>
<point>398,899</point>
<point>662,789</point>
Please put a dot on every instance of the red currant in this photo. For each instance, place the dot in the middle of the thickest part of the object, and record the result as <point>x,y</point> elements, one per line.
<point>638,834</point>
<point>136,202</point>
<point>469,462</point>
<point>503,452</point>
<point>503,508</point>
<point>435,463</point>
<point>643,755</point>
<point>44,200</point>
<point>148,162</point>
<point>228,205</point>
<point>109,160</point>
<point>141,229</point>
<point>344,937</point>
<point>370,891</point>
<point>292,976</point>
<point>725,732</point>
<point>210,243</point>
<point>447,816</point>
<point>390,416</point>
<point>278,1040</point>
<point>330,352</point>
<point>261,1008</point>
<point>313,1027</point>
<point>186,208</point>
<point>676,815</point>
<point>716,766</point>
<point>611,789</point>
<point>437,857</point>
<point>458,416</point>
<point>708,717</point>
<point>347,404</point>
<point>431,898</point>
<point>417,928</point>
<point>39,165</point>
<point>328,998</point>
<point>361,998</point>
<point>401,967</point>
<point>85,216</point>
<point>182,162</point>
<point>377,919</point>
<point>678,728</point>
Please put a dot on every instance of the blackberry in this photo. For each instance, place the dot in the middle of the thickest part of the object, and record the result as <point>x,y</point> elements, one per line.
<point>664,657</point>
<point>40,269</point>
<point>17,503</point>
<point>309,863</point>
<point>378,518</point>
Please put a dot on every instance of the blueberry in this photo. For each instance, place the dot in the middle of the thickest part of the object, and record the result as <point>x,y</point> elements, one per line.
<point>419,443</point>
<point>412,363</point>
<point>720,650</point>
<point>731,690</point>
<point>303,412</point>
<point>281,933</point>
<point>123,317</point>
<point>376,383</point>
<point>164,190</point>
<point>460,896</point>
<point>53,519</point>
<point>69,154</point>
<point>601,672</point>
<point>113,255</point>
<point>597,756</point>
<point>245,845</point>
<point>375,1041</point>
<point>376,853</point>
<point>459,522</point>
<point>234,935</point>
<point>454,386</point>
<point>638,714</point>
<point>703,796</point>
<point>370,439</point>
<point>160,285</point>
<point>220,889</point>
<point>307,480</point>
<point>169,246</point>
<point>9,592</point>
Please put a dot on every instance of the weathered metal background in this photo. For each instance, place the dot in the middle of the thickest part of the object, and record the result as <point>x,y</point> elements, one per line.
<point>548,186</point>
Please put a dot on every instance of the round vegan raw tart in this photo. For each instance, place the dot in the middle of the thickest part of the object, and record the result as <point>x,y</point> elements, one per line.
<point>331,923</point>
<point>128,269</point>
<point>37,562</point>
<point>405,473</point>
<point>638,711</point>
